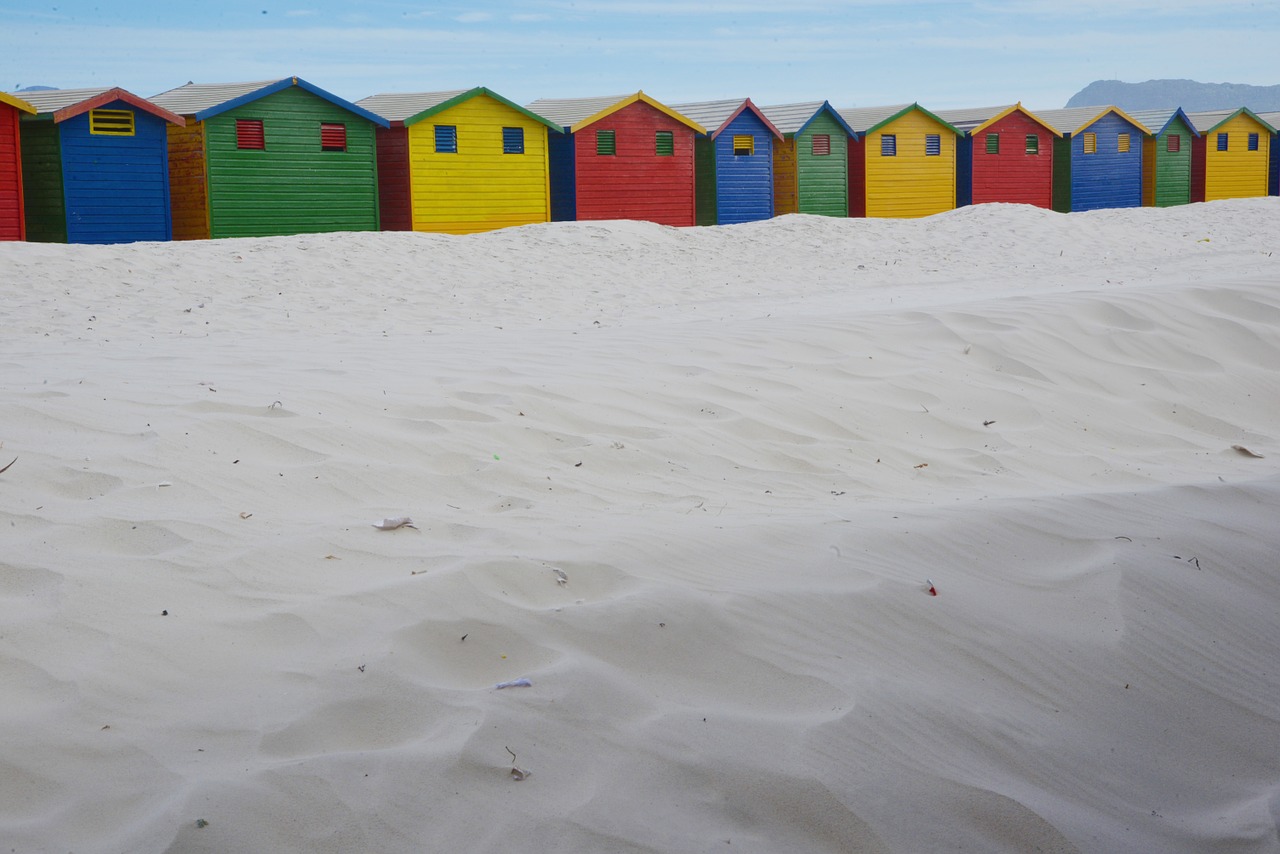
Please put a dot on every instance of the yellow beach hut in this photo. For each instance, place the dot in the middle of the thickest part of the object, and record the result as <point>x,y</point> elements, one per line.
<point>1230,159</point>
<point>903,163</point>
<point>460,162</point>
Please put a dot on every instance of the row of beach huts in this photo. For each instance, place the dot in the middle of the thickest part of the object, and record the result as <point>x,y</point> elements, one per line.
<point>286,157</point>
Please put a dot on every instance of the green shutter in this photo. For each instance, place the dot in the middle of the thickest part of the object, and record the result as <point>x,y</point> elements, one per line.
<point>664,143</point>
<point>993,143</point>
<point>606,144</point>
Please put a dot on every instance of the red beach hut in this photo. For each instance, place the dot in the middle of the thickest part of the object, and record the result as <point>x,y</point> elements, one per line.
<point>1005,155</point>
<point>12,222</point>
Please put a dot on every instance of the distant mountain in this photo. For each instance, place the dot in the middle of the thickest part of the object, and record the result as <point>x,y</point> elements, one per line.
<point>1187,94</point>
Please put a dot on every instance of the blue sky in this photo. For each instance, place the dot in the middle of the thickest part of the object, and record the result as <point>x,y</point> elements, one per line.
<point>852,53</point>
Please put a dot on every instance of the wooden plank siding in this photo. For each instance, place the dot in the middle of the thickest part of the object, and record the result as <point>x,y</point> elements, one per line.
<point>478,187</point>
<point>1104,177</point>
<point>11,216</point>
<point>744,181</point>
<point>786,177</point>
<point>395,205</point>
<point>188,193</point>
<point>44,206</point>
<point>705,187</point>
<point>1238,172</point>
<point>291,186</point>
<point>1166,173</point>
<point>911,182</point>
<point>822,177</point>
<point>1013,174</point>
<point>635,183</point>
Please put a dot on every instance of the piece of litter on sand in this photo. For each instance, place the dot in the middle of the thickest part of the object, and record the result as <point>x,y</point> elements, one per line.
<point>933,591</point>
<point>1239,448</point>
<point>520,775</point>
<point>515,683</point>
<point>6,468</point>
<point>392,524</point>
<point>561,578</point>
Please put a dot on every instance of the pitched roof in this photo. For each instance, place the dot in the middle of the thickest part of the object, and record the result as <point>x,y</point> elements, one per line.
<point>1075,119</point>
<point>867,119</point>
<point>1272,118</point>
<point>1207,120</point>
<point>63,104</point>
<point>715,116</point>
<point>412,107</point>
<point>573,114</point>
<point>1158,121</point>
<point>792,119</point>
<point>206,100</point>
<point>975,119</point>
<point>16,102</point>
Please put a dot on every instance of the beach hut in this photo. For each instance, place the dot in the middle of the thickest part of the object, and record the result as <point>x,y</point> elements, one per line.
<point>270,157</point>
<point>1166,157</point>
<point>733,161</point>
<point>1004,154</point>
<point>810,162</point>
<point>620,157</point>
<point>903,163</point>
<point>1273,170</point>
<point>12,221</point>
<point>94,167</point>
<point>1231,157</point>
<point>1097,163</point>
<point>460,161</point>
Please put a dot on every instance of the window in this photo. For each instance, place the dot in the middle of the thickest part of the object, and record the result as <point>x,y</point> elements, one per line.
<point>932,145</point>
<point>993,143</point>
<point>821,145</point>
<point>446,139</point>
<point>1090,143</point>
<point>744,145</point>
<point>111,122</point>
<point>333,136</point>
<point>606,144</point>
<point>889,145</point>
<point>1222,142</point>
<point>250,134</point>
<point>1173,142</point>
<point>513,140</point>
<point>1033,143</point>
<point>1122,143</point>
<point>1253,142</point>
<point>664,143</point>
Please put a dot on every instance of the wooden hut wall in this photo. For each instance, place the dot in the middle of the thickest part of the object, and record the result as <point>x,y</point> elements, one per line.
<point>786,186</point>
<point>964,171</point>
<point>858,177</point>
<point>43,203</point>
<point>822,171</point>
<point>911,182</point>
<point>188,192</point>
<point>1166,166</point>
<point>1273,180</point>
<point>706,191</point>
<point>636,182</point>
<point>11,217</point>
<point>478,186</point>
<point>1107,177</point>
<point>562,161</point>
<point>1015,172</point>
<point>744,182</point>
<point>290,186</point>
<point>395,208</point>
<point>1239,172</point>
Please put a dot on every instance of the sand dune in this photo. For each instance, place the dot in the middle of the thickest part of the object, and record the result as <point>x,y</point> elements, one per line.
<point>693,485</point>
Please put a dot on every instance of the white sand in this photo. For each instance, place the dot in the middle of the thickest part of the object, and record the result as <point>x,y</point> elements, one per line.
<point>746,449</point>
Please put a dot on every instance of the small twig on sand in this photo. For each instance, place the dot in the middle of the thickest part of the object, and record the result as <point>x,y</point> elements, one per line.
<point>6,468</point>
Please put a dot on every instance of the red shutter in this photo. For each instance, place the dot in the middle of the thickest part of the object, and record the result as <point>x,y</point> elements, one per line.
<point>333,137</point>
<point>821,144</point>
<point>249,134</point>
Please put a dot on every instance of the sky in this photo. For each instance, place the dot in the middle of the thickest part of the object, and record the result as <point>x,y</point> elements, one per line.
<point>853,53</point>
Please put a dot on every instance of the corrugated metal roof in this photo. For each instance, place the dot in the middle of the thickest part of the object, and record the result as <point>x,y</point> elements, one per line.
<point>567,112</point>
<point>863,118</point>
<point>1271,118</point>
<point>968,118</point>
<point>790,118</point>
<point>1157,120</point>
<point>1074,119</point>
<point>1207,120</point>
<point>398,107</point>
<point>710,114</point>
<point>52,100</point>
<point>195,97</point>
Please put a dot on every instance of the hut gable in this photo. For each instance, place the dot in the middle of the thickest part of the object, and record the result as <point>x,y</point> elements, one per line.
<point>1005,154</point>
<point>461,161</point>
<point>1232,154</point>
<point>95,167</point>
<point>903,163</point>
<point>733,161</point>
<point>271,157</point>
<point>1166,156</point>
<point>1098,161</point>
<point>811,161</point>
<point>12,219</point>
<point>626,157</point>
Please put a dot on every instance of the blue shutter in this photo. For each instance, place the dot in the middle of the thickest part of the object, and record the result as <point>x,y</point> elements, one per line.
<point>446,139</point>
<point>1222,142</point>
<point>889,145</point>
<point>513,140</point>
<point>1253,142</point>
<point>932,145</point>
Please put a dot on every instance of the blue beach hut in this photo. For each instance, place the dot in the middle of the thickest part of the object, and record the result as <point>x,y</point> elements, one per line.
<point>733,161</point>
<point>1097,163</point>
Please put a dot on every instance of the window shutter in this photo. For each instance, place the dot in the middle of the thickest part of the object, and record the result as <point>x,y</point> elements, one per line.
<point>889,145</point>
<point>1173,142</point>
<point>513,140</point>
<point>250,134</point>
<point>1222,142</point>
<point>744,145</point>
<point>993,143</point>
<point>1033,143</point>
<point>664,143</point>
<point>446,139</point>
<point>111,122</point>
<point>821,144</point>
<point>333,136</point>
<point>1090,143</point>
<point>1253,142</point>
<point>932,145</point>
<point>1122,143</point>
<point>606,143</point>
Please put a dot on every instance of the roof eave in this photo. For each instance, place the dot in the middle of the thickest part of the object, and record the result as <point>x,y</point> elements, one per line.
<point>117,94</point>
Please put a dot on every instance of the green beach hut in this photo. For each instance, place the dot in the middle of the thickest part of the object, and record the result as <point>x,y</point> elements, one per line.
<point>1166,157</point>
